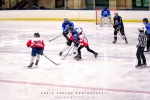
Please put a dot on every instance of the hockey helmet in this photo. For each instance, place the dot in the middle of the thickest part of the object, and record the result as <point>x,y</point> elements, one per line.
<point>76,27</point>
<point>36,34</point>
<point>141,28</point>
<point>105,7</point>
<point>65,19</point>
<point>79,30</point>
<point>145,20</point>
<point>116,13</point>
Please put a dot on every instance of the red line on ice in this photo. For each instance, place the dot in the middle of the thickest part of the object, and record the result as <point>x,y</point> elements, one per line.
<point>77,87</point>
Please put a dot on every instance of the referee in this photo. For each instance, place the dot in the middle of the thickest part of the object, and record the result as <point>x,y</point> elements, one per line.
<point>141,46</point>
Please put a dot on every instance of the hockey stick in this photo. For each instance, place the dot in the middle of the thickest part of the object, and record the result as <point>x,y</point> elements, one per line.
<point>67,53</point>
<point>72,51</point>
<point>51,60</point>
<point>55,38</point>
<point>121,36</point>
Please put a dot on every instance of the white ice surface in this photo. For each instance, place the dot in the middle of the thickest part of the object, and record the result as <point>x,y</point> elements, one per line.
<point>112,72</point>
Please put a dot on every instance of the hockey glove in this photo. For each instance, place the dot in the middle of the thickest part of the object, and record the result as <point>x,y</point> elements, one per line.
<point>41,53</point>
<point>114,26</point>
<point>148,32</point>
<point>75,41</point>
<point>118,28</point>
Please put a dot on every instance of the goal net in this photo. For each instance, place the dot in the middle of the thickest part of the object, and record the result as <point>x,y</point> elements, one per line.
<point>98,15</point>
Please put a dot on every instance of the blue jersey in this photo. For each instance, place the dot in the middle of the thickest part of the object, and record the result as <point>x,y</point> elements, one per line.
<point>147,26</point>
<point>105,12</point>
<point>67,25</point>
<point>75,34</point>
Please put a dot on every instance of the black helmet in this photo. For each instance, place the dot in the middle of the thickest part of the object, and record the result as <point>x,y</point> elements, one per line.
<point>37,34</point>
<point>145,20</point>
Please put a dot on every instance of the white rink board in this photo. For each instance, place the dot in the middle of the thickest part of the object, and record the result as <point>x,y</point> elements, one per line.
<point>113,72</point>
<point>87,15</point>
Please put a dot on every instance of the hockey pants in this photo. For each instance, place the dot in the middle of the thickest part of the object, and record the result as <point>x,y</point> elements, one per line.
<point>140,55</point>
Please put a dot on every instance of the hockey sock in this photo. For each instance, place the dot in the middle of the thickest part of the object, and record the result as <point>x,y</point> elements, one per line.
<point>101,23</point>
<point>76,49</point>
<point>115,38</point>
<point>66,48</point>
<point>79,50</point>
<point>88,49</point>
<point>37,57</point>
<point>32,60</point>
<point>36,63</point>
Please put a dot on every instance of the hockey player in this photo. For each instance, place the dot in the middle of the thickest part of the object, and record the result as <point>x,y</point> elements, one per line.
<point>118,26</point>
<point>37,45</point>
<point>71,37</point>
<point>140,47</point>
<point>105,15</point>
<point>147,32</point>
<point>65,26</point>
<point>83,42</point>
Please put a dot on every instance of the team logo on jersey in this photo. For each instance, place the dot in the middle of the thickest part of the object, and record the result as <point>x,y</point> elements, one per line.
<point>116,22</point>
<point>105,13</point>
<point>67,26</point>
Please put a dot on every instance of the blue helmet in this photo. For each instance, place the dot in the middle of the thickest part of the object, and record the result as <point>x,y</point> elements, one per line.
<point>66,20</point>
<point>105,7</point>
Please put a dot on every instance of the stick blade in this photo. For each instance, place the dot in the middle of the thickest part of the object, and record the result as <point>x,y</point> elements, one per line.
<point>58,64</point>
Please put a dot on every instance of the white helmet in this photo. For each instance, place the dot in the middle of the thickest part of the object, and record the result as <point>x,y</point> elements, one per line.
<point>79,30</point>
<point>141,27</point>
<point>65,19</point>
<point>77,27</point>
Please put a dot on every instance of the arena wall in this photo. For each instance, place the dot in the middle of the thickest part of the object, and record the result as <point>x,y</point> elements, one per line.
<point>74,15</point>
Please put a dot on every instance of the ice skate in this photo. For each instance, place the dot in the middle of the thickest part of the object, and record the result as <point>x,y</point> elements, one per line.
<point>126,41</point>
<point>146,51</point>
<point>138,65</point>
<point>36,63</point>
<point>101,25</point>
<point>144,65</point>
<point>95,55</point>
<point>60,53</point>
<point>76,56</point>
<point>114,41</point>
<point>30,66</point>
<point>74,52</point>
<point>79,57</point>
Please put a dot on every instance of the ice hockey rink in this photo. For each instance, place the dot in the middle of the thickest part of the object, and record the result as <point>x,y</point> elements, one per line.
<point>110,76</point>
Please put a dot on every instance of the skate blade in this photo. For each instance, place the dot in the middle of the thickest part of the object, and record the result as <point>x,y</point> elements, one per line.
<point>29,67</point>
<point>144,66</point>
<point>78,59</point>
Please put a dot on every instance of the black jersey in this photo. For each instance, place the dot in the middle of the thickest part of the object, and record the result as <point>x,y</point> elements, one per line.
<point>118,21</point>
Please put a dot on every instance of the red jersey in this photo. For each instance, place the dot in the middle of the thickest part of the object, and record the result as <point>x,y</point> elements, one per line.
<point>83,40</point>
<point>36,42</point>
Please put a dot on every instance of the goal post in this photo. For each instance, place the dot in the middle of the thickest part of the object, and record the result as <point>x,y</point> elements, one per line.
<point>98,15</point>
